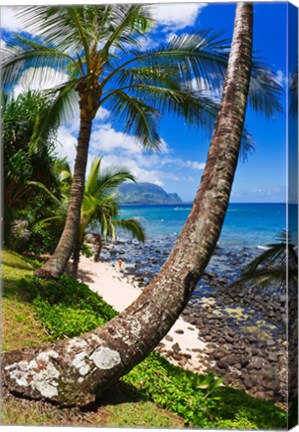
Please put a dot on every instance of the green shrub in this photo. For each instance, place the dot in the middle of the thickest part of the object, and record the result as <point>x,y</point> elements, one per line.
<point>66,307</point>
<point>188,394</point>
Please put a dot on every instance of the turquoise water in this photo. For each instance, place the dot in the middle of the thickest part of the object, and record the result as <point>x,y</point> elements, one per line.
<point>245,224</point>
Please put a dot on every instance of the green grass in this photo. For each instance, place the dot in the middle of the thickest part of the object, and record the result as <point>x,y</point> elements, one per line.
<point>167,396</point>
<point>142,414</point>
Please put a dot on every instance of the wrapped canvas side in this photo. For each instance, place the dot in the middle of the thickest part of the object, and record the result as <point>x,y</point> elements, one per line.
<point>292,213</point>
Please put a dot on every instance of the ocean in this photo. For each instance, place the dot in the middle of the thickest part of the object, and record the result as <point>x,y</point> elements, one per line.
<point>246,225</point>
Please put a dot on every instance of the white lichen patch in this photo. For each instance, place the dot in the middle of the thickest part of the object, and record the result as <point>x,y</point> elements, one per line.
<point>76,343</point>
<point>44,380</point>
<point>45,355</point>
<point>79,363</point>
<point>105,358</point>
<point>95,338</point>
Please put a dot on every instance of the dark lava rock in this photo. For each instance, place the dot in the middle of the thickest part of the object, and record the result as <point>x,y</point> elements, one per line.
<point>256,363</point>
<point>273,357</point>
<point>176,348</point>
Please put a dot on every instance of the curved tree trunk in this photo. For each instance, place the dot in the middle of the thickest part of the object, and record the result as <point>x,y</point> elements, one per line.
<point>76,257</point>
<point>98,248</point>
<point>76,371</point>
<point>56,265</point>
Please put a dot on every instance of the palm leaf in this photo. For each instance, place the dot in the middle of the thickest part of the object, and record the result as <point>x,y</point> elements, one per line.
<point>126,22</point>
<point>27,54</point>
<point>133,226</point>
<point>196,56</point>
<point>264,90</point>
<point>62,109</point>
<point>293,92</point>
<point>137,118</point>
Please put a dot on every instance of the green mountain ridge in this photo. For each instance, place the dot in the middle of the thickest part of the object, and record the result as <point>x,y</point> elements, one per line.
<point>146,193</point>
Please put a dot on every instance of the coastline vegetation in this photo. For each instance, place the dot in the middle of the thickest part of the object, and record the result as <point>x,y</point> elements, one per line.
<point>154,394</point>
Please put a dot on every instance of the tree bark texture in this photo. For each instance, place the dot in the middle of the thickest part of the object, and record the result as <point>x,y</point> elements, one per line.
<point>56,265</point>
<point>98,248</point>
<point>76,371</point>
<point>76,257</point>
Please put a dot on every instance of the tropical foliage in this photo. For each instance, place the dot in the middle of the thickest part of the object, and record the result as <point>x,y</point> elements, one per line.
<point>29,177</point>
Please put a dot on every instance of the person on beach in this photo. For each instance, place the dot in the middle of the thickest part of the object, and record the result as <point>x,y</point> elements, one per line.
<point>120,263</point>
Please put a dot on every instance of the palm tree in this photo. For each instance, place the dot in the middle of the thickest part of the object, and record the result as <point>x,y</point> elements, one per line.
<point>94,44</point>
<point>100,208</point>
<point>112,222</point>
<point>77,371</point>
<point>272,268</point>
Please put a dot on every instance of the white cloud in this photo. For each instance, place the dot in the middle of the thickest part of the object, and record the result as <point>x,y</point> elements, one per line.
<point>177,16</point>
<point>281,78</point>
<point>107,139</point>
<point>9,20</point>
<point>122,151</point>
<point>66,144</point>
<point>142,175</point>
<point>39,79</point>
<point>195,165</point>
<point>12,21</point>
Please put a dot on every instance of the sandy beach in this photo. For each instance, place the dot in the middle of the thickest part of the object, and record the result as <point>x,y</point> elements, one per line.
<point>182,345</point>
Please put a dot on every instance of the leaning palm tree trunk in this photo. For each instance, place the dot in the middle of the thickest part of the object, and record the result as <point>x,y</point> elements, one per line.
<point>76,371</point>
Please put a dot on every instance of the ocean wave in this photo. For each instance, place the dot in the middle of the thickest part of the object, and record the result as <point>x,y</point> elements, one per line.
<point>182,208</point>
<point>263,247</point>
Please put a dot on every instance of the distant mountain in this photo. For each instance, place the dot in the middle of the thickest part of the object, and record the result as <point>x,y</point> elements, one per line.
<point>146,193</point>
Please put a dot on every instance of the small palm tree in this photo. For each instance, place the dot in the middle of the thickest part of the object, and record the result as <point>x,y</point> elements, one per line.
<point>274,266</point>
<point>99,211</point>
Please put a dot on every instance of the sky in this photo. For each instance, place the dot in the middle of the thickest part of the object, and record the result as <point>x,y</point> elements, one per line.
<point>179,165</point>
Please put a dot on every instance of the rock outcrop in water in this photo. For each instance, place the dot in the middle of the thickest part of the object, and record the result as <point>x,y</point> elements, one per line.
<point>146,193</point>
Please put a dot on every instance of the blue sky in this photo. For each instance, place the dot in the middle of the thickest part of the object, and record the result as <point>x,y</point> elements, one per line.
<point>179,166</point>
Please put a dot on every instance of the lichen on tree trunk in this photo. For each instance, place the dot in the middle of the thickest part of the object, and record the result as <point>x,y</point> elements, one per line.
<point>76,371</point>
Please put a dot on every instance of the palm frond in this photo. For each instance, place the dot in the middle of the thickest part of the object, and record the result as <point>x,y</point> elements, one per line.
<point>161,75</point>
<point>63,108</point>
<point>110,180</point>
<point>273,266</point>
<point>199,56</point>
<point>133,226</point>
<point>27,54</point>
<point>93,175</point>
<point>148,102</point>
<point>138,118</point>
<point>247,145</point>
<point>43,188</point>
<point>265,91</point>
<point>293,92</point>
<point>126,22</point>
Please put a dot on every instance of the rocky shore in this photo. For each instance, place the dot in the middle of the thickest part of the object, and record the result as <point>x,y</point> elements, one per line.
<point>244,329</point>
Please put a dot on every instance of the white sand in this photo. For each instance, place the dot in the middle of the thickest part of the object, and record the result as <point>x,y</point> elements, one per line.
<point>119,291</point>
